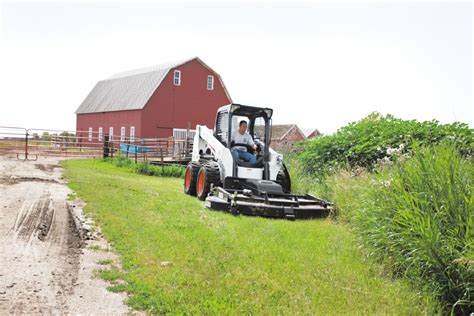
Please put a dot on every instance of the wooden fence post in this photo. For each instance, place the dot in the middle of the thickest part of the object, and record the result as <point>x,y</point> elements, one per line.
<point>106,146</point>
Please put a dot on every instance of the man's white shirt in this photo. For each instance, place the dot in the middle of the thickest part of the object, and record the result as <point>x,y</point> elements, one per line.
<point>242,139</point>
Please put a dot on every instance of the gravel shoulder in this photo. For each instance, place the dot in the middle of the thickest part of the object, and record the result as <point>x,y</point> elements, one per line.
<point>46,261</point>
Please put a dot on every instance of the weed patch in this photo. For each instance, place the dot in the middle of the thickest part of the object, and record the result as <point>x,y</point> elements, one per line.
<point>105,262</point>
<point>96,248</point>
<point>112,275</point>
<point>117,288</point>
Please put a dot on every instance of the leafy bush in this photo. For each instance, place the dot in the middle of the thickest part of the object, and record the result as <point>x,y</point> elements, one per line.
<point>418,217</point>
<point>366,142</point>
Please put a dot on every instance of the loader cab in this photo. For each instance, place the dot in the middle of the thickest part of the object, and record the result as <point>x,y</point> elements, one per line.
<point>258,126</point>
<point>258,123</point>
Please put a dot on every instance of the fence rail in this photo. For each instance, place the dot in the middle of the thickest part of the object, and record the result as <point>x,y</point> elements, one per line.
<point>30,143</point>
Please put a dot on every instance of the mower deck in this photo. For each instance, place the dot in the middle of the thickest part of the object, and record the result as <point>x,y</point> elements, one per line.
<point>289,206</point>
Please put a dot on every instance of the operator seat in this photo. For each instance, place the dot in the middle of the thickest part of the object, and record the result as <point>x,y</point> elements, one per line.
<point>242,163</point>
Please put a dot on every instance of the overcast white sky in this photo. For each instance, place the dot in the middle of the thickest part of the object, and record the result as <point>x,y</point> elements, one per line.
<point>320,65</point>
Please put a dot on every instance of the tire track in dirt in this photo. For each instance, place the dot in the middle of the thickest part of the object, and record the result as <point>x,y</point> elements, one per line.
<point>45,232</point>
<point>44,266</point>
<point>15,180</point>
<point>35,219</point>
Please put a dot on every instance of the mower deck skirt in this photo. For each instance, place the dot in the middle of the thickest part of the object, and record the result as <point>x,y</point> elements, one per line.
<point>257,208</point>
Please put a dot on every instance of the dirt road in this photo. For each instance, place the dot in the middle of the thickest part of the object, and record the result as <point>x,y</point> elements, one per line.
<point>45,264</point>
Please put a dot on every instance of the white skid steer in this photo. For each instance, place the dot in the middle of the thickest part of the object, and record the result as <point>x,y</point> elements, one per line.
<point>226,183</point>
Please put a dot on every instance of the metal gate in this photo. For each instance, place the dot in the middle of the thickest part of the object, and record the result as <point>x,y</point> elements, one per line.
<point>29,143</point>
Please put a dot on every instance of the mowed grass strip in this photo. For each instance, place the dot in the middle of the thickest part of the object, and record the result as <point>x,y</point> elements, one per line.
<point>180,257</point>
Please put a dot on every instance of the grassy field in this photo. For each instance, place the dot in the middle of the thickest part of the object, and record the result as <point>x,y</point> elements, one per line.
<point>179,257</point>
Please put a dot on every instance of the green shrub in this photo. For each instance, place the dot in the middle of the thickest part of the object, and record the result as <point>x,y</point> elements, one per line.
<point>418,217</point>
<point>374,138</point>
<point>121,161</point>
<point>144,168</point>
<point>148,169</point>
<point>160,171</point>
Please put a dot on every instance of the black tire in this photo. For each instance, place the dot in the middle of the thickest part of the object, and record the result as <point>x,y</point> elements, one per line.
<point>209,173</point>
<point>190,178</point>
<point>283,178</point>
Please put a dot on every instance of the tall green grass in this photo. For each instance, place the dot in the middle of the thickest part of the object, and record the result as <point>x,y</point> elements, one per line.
<point>417,216</point>
<point>422,220</point>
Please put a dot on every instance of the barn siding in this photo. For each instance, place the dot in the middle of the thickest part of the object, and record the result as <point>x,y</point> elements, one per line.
<point>188,104</point>
<point>110,119</point>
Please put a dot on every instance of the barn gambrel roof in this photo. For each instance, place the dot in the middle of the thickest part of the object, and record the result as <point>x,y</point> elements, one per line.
<point>131,90</point>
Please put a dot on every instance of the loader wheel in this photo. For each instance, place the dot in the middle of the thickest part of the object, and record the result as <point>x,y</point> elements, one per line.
<point>283,178</point>
<point>190,178</point>
<point>209,173</point>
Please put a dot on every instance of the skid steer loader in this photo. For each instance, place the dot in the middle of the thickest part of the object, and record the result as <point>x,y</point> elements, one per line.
<point>218,177</point>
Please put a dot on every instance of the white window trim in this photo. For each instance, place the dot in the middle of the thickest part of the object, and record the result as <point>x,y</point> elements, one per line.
<point>178,78</point>
<point>211,86</point>
<point>132,134</point>
<point>122,133</point>
<point>90,134</point>
<point>111,134</point>
<point>100,134</point>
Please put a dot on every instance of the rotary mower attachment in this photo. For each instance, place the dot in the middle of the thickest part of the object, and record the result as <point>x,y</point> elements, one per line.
<point>272,202</point>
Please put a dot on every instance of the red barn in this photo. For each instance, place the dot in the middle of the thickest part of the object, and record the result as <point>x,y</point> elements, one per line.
<point>155,102</point>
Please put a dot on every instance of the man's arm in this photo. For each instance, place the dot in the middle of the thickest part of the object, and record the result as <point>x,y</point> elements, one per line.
<point>251,142</point>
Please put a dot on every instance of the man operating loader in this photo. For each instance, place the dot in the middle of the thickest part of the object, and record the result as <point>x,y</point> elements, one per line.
<point>224,173</point>
<point>240,136</point>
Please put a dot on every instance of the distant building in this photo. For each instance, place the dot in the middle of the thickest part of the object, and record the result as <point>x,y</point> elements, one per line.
<point>283,136</point>
<point>155,102</point>
<point>313,134</point>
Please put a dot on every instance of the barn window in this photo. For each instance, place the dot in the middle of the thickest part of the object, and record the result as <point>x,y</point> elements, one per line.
<point>100,134</point>
<point>111,134</point>
<point>122,134</point>
<point>90,134</point>
<point>132,134</point>
<point>210,82</point>
<point>177,77</point>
